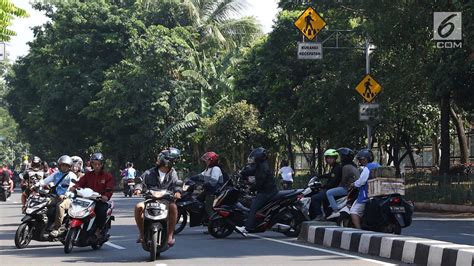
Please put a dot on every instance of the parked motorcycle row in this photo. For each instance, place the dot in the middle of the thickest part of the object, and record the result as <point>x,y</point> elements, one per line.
<point>284,213</point>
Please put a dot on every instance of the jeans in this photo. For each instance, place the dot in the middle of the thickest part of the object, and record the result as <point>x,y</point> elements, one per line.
<point>334,192</point>
<point>315,206</point>
<point>259,201</point>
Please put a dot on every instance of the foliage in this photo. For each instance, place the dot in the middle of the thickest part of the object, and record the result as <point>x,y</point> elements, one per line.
<point>7,13</point>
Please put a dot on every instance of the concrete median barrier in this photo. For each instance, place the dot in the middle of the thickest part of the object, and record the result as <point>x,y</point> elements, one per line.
<point>406,249</point>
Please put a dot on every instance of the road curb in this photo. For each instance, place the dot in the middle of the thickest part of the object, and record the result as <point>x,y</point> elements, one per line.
<point>426,206</point>
<point>406,249</point>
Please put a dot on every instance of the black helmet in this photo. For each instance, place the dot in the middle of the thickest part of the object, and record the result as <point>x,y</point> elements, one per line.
<point>53,164</point>
<point>97,157</point>
<point>258,155</point>
<point>36,162</point>
<point>365,153</point>
<point>168,157</point>
<point>346,155</point>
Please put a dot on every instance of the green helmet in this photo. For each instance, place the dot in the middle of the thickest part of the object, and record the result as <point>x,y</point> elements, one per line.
<point>331,153</point>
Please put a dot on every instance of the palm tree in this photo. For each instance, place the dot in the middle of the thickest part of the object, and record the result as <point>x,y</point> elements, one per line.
<point>7,11</point>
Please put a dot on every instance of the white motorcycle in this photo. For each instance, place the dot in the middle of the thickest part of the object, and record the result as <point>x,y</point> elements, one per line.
<point>82,228</point>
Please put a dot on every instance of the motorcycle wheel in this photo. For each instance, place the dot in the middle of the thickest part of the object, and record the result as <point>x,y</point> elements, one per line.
<point>295,223</point>
<point>23,236</point>
<point>219,228</point>
<point>69,241</point>
<point>154,246</point>
<point>182,221</point>
<point>3,196</point>
<point>344,221</point>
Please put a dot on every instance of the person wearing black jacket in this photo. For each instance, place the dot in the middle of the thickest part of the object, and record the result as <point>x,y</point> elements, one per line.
<point>258,172</point>
<point>334,178</point>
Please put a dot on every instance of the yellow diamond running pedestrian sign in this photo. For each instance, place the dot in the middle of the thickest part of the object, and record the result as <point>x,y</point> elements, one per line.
<point>310,23</point>
<point>368,88</point>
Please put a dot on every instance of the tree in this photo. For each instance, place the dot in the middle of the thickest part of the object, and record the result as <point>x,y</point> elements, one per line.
<point>8,12</point>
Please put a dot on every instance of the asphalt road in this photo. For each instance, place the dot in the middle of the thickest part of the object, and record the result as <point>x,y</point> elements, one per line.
<point>192,246</point>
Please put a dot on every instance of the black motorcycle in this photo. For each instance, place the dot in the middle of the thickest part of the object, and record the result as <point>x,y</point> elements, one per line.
<point>38,220</point>
<point>5,191</point>
<point>284,213</point>
<point>385,214</point>
<point>128,187</point>
<point>156,222</point>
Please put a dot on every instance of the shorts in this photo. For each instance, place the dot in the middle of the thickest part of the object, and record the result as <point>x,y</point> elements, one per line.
<point>357,208</point>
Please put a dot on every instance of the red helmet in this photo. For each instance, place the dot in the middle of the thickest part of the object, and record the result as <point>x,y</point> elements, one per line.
<point>210,157</point>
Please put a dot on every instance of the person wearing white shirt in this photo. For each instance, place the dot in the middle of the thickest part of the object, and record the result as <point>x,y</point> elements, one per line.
<point>286,173</point>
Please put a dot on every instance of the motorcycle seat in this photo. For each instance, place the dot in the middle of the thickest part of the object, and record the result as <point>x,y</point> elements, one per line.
<point>286,193</point>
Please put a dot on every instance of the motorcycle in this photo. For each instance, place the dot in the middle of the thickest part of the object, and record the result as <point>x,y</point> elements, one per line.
<point>340,200</point>
<point>195,209</point>
<point>156,222</point>
<point>38,220</point>
<point>284,213</point>
<point>82,228</point>
<point>5,190</point>
<point>385,214</point>
<point>128,187</point>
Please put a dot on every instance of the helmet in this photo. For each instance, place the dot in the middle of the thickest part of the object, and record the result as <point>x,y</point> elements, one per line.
<point>258,155</point>
<point>129,164</point>
<point>53,164</point>
<point>210,157</point>
<point>77,160</point>
<point>36,162</point>
<point>65,159</point>
<point>347,155</point>
<point>97,157</point>
<point>365,153</point>
<point>331,153</point>
<point>168,157</point>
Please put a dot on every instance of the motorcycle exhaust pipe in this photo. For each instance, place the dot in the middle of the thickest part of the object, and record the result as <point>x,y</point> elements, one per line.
<point>281,228</point>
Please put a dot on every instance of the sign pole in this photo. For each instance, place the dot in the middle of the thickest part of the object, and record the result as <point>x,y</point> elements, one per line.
<point>367,71</point>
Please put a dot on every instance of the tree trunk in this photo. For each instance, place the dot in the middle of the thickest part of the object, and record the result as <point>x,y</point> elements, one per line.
<point>461,133</point>
<point>312,169</point>
<point>435,151</point>
<point>396,160</point>
<point>289,147</point>
<point>445,138</point>
<point>320,157</point>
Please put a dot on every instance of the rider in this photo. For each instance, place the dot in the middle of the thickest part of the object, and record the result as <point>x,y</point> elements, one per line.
<point>77,166</point>
<point>53,167</point>
<point>30,177</point>
<point>162,176</point>
<point>101,182</point>
<point>366,159</point>
<point>212,178</point>
<point>62,181</point>
<point>264,185</point>
<point>334,179</point>
<point>7,176</point>
<point>349,174</point>
<point>129,172</point>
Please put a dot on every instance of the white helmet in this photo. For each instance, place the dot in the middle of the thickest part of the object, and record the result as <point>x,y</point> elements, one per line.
<point>65,159</point>
<point>77,160</point>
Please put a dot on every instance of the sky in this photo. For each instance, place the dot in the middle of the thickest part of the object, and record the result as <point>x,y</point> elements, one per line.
<point>264,10</point>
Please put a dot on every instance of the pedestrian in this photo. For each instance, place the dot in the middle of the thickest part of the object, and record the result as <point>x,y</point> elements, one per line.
<point>286,173</point>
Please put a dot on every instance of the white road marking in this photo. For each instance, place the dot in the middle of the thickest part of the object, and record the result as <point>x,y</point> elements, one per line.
<point>467,234</point>
<point>110,244</point>
<point>322,250</point>
<point>161,264</point>
<point>443,219</point>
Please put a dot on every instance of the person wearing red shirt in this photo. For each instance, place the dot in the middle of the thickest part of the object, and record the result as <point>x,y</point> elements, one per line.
<point>101,182</point>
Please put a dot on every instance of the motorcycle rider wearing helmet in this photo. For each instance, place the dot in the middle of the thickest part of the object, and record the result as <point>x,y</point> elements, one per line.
<point>334,177</point>
<point>264,184</point>
<point>349,174</point>
<point>366,159</point>
<point>31,176</point>
<point>101,182</point>
<point>212,179</point>
<point>162,176</point>
<point>77,166</point>
<point>62,181</point>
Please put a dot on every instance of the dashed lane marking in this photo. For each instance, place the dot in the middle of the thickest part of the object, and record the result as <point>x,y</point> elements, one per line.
<point>110,244</point>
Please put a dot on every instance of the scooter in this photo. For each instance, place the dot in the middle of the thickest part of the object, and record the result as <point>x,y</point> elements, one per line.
<point>128,188</point>
<point>156,222</point>
<point>386,214</point>
<point>38,220</point>
<point>5,190</point>
<point>82,228</point>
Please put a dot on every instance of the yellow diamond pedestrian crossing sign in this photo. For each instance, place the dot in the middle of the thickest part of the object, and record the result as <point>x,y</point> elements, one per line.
<point>368,88</point>
<point>310,23</point>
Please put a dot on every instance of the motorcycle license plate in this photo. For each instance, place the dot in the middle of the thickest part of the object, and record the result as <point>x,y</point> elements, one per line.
<point>395,209</point>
